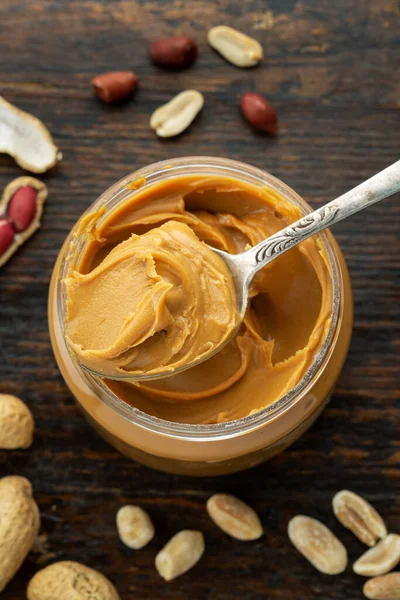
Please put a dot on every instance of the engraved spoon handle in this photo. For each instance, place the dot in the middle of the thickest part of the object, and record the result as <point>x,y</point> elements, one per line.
<point>380,186</point>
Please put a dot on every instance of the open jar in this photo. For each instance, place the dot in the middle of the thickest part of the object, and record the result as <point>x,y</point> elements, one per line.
<point>214,447</point>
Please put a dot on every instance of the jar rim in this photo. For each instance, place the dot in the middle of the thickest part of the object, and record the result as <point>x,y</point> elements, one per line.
<point>204,165</point>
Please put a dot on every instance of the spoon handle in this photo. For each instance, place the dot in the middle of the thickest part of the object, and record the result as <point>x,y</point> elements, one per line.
<point>380,186</point>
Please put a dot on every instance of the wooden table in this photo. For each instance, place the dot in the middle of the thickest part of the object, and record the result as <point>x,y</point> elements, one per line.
<point>331,71</point>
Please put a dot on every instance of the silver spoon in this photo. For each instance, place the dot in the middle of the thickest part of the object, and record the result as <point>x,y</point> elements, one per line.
<point>244,266</point>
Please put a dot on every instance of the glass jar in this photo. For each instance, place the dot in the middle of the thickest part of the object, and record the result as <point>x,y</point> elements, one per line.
<point>217,448</point>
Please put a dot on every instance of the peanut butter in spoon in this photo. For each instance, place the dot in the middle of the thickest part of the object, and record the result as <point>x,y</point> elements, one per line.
<point>156,302</point>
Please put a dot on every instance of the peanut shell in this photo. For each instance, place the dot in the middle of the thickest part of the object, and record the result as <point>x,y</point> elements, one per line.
<point>34,223</point>
<point>26,139</point>
<point>68,580</point>
<point>16,423</point>
<point>19,525</point>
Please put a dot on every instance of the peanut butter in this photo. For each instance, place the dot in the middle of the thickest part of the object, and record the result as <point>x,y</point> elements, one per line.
<point>135,315</point>
<point>157,301</point>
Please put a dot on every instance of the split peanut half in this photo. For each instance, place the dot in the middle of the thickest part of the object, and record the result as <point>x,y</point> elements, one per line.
<point>236,47</point>
<point>359,516</point>
<point>380,559</point>
<point>174,117</point>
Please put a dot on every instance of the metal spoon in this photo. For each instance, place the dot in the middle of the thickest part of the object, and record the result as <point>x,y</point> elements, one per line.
<point>245,265</point>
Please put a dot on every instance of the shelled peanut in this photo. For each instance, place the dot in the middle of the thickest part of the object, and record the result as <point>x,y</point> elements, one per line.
<point>134,526</point>
<point>180,52</point>
<point>259,113</point>
<point>21,208</point>
<point>115,86</point>
<point>234,517</point>
<point>359,516</point>
<point>175,52</point>
<point>175,116</point>
<point>236,47</point>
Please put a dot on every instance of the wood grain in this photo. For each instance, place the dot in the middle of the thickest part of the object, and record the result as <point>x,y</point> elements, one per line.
<point>331,69</point>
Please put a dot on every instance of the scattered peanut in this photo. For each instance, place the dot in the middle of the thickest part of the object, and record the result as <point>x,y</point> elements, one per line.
<point>67,580</point>
<point>380,559</point>
<point>180,554</point>
<point>19,525</point>
<point>386,587</point>
<point>259,113</point>
<point>134,526</point>
<point>359,516</point>
<point>234,517</point>
<point>115,86</point>
<point>16,423</point>
<point>236,47</point>
<point>7,235</point>
<point>318,544</point>
<point>175,116</point>
<point>26,139</point>
<point>21,208</point>
<point>177,52</point>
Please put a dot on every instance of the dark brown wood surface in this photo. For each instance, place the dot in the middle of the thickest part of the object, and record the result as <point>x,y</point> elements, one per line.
<point>331,69</point>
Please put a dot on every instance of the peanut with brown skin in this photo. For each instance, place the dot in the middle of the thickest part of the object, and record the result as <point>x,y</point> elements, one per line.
<point>259,113</point>
<point>115,86</point>
<point>176,52</point>
<point>22,207</point>
<point>7,235</point>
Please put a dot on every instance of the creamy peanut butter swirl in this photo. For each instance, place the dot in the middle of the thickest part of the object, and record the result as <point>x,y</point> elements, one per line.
<point>156,302</point>
<point>120,309</point>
